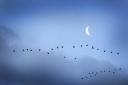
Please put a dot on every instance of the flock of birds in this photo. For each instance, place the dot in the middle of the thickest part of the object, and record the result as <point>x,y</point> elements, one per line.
<point>92,47</point>
<point>94,74</point>
<point>89,74</point>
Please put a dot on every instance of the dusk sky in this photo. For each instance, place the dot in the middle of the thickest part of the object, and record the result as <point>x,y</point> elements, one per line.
<point>63,42</point>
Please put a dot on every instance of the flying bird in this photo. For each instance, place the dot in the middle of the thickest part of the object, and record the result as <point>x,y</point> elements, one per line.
<point>27,49</point>
<point>120,69</point>
<point>39,49</point>
<point>113,72</point>
<point>86,45</point>
<point>48,53</point>
<point>62,46</point>
<point>64,56</point>
<point>14,50</point>
<point>118,53</point>
<point>92,47</point>
<point>52,49</point>
<point>23,50</point>
<point>57,47</point>
<point>94,74</point>
<point>97,49</point>
<point>75,58</point>
<point>82,78</point>
<point>81,45</point>
<point>73,46</point>
<point>104,51</point>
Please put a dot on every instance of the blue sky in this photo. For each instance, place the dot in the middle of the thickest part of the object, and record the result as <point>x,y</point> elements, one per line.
<point>46,24</point>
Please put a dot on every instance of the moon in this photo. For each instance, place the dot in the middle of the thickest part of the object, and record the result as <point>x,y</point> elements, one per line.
<point>87,31</point>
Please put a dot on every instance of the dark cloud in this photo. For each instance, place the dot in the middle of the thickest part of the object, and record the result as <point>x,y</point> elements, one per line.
<point>5,36</point>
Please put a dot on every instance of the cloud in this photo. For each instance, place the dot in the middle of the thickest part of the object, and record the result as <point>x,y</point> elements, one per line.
<point>51,69</point>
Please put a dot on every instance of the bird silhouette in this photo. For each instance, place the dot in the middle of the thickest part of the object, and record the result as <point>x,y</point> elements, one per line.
<point>104,51</point>
<point>95,74</point>
<point>27,49</point>
<point>97,49</point>
<point>48,53</point>
<point>111,52</point>
<point>113,72</point>
<point>92,72</point>
<point>57,47</point>
<point>39,49</point>
<point>89,73</point>
<point>64,56</point>
<point>62,46</point>
<point>82,78</point>
<point>120,69</point>
<point>75,58</point>
<point>81,45</point>
<point>117,53</point>
<point>23,50</point>
<point>14,50</point>
<point>86,45</point>
<point>73,46</point>
<point>92,47</point>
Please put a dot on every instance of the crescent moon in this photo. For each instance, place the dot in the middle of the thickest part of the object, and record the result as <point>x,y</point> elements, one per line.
<point>87,31</point>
